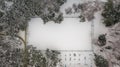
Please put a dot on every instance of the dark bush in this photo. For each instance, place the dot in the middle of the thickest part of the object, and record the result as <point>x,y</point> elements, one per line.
<point>108,47</point>
<point>1,14</point>
<point>102,40</point>
<point>111,13</point>
<point>82,18</point>
<point>100,61</point>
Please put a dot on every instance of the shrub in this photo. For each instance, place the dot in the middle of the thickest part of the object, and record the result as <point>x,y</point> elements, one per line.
<point>111,13</point>
<point>108,47</point>
<point>82,18</point>
<point>1,14</point>
<point>100,61</point>
<point>102,40</point>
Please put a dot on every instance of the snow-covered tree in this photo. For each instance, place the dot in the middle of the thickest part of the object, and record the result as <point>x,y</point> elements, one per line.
<point>68,10</point>
<point>21,11</point>
<point>52,57</point>
<point>39,58</point>
<point>15,17</point>
<point>111,13</point>
<point>35,57</point>
<point>100,61</point>
<point>10,52</point>
<point>76,9</point>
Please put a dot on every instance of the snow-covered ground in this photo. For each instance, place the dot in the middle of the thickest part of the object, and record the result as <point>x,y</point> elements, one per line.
<point>69,35</point>
<point>99,27</point>
<point>77,59</point>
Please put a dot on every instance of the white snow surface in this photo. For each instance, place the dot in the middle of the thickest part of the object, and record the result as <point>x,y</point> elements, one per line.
<point>99,27</point>
<point>69,35</point>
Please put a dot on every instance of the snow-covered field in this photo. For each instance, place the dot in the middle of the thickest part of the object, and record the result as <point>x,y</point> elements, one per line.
<point>69,35</point>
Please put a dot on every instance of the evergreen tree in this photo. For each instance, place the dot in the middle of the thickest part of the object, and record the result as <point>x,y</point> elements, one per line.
<point>38,58</point>
<point>10,52</point>
<point>100,61</point>
<point>102,40</point>
<point>111,13</point>
<point>21,11</point>
<point>17,18</point>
